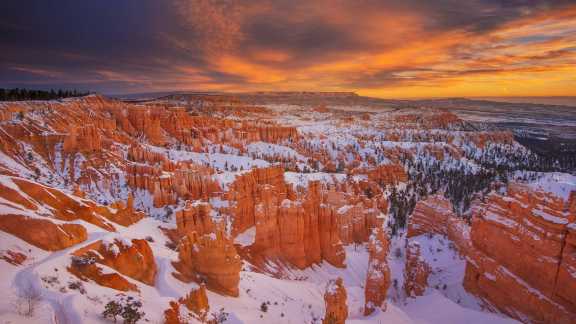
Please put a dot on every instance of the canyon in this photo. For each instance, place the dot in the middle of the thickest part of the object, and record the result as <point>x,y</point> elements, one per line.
<point>278,207</point>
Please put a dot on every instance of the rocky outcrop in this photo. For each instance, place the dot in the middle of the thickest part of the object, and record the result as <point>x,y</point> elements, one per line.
<point>13,257</point>
<point>86,269</point>
<point>196,307</point>
<point>378,276</point>
<point>43,233</point>
<point>85,139</point>
<point>244,194</point>
<point>62,206</point>
<point>195,217</point>
<point>387,174</point>
<point>416,271</point>
<point>132,258</point>
<point>187,182</point>
<point>197,302</point>
<point>434,215</point>
<point>305,227</point>
<point>335,301</point>
<point>209,259</point>
<point>522,256</point>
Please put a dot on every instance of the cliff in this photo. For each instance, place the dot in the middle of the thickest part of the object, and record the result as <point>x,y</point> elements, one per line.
<point>522,256</point>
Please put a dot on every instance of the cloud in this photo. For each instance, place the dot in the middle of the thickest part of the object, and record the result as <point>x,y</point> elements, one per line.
<point>375,47</point>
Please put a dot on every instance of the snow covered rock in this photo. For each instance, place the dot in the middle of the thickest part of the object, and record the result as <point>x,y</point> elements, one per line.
<point>335,300</point>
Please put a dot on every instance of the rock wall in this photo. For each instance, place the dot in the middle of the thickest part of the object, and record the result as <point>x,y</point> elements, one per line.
<point>435,215</point>
<point>522,257</point>
<point>210,259</point>
<point>300,229</point>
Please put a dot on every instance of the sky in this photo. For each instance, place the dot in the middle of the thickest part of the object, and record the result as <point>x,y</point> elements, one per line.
<point>384,48</point>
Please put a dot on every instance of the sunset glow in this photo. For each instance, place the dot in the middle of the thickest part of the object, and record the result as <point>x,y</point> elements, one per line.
<point>375,48</point>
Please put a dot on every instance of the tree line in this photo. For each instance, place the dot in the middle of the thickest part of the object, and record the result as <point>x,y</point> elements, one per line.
<point>17,94</point>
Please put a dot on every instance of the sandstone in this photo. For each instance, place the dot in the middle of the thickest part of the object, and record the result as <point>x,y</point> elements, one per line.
<point>335,300</point>
<point>378,276</point>
<point>132,258</point>
<point>416,271</point>
<point>13,257</point>
<point>522,254</point>
<point>91,271</point>
<point>210,259</point>
<point>434,215</point>
<point>43,233</point>
<point>197,302</point>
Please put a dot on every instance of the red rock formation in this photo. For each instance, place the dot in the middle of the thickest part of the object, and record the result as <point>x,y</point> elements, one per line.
<point>35,197</point>
<point>132,258</point>
<point>378,276</point>
<point>244,194</point>
<point>43,233</point>
<point>13,257</point>
<point>146,121</point>
<point>434,215</point>
<point>209,259</point>
<point>126,215</point>
<point>187,182</point>
<point>85,270</point>
<point>195,217</point>
<point>522,255</point>
<point>416,271</point>
<point>335,300</point>
<point>387,174</point>
<point>173,315</point>
<point>197,302</point>
<point>300,230</point>
<point>85,139</point>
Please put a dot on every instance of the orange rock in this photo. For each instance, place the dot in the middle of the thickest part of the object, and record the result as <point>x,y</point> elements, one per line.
<point>91,271</point>
<point>13,257</point>
<point>172,314</point>
<point>131,258</point>
<point>195,217</point>
<point>335,300</point>
<point>65,207</point>
<point>416,271</point>
<point>85,139</point>
<point>378,276</point>
<point>209,259</point>
<point>387,174</point>
<point>197,302</point>
<point>435,215</point>
<point>522,255</point>
<point>43,233</point>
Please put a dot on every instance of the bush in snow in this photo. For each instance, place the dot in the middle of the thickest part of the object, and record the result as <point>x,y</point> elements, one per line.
<point>264,307</point>
<point>218,317</point>
<point>82,260</point>
<point>126,307</point>
<point>112,309</point>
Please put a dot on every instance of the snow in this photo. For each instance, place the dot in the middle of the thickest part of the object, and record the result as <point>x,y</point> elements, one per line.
<point>556,183</point>
<point>302,179</point>
<point>219,161</point>
<point>295,296</point>
<point>246,238</point>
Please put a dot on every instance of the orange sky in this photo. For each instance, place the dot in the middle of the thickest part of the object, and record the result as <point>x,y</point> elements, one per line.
<point>388,48</point>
